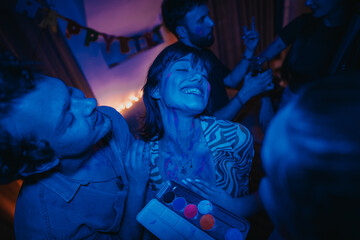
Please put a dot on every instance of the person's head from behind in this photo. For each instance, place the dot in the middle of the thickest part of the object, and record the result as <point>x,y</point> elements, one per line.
<point>177,83</point>
<point>326,8</point>
<point>311,156</point>
<point>42,121</point>
<point>189,20</point>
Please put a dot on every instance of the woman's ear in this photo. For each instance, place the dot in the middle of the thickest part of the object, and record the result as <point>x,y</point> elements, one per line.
<point>155,93</point>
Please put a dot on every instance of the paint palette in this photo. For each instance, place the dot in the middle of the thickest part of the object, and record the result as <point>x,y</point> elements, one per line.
<point>179,213</point>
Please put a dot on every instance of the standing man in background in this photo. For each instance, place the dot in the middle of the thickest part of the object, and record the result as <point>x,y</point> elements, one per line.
<point>192,25</point>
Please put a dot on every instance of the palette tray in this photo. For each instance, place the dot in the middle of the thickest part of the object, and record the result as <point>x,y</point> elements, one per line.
<point>179,213</point>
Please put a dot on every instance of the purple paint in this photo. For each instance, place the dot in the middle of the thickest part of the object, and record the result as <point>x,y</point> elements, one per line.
<point>171,169</point>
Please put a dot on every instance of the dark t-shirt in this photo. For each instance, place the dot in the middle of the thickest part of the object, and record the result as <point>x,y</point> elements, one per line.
<point>313,48</point>
<point>218,97</point>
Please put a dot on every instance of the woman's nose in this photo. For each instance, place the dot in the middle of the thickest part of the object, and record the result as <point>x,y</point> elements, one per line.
<point>197,77</point>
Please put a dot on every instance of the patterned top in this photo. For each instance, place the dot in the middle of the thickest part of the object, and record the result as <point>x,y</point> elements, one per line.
<point>231,145</point>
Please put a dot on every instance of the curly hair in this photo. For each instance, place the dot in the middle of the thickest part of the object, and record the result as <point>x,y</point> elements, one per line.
<point>153,126</point>
<point>174,11</point>
<point>17,78</point>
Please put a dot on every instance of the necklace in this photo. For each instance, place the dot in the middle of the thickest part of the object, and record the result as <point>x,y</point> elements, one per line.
<point>177,160</point>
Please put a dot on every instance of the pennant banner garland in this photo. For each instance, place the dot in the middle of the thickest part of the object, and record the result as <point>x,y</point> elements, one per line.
<point>115,49</point>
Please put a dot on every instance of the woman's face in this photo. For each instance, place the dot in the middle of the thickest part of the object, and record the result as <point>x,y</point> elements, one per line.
<point>184,87</point>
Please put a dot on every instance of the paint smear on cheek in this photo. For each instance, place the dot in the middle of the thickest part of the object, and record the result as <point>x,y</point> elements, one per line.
<point>167,77</point>
<point>176,120</point>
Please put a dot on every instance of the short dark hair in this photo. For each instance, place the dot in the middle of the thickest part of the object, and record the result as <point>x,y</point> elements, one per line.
<point>174,11</point>
<point>153,126</point>
<point>17,78</point>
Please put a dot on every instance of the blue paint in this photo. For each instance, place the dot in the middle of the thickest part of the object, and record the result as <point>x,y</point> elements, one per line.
<point>179,204</point>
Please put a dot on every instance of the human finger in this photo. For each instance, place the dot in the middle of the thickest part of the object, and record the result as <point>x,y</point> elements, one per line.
<point>205,186</point>
<point>270,86</point>
<point>146,153</point>
<point>196,188</point>
<point>267,73</point>
<point>139,152</point>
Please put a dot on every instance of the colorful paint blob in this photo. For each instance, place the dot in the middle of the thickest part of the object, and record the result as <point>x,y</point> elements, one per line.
<point>179,204</point>
<point>168,197</point>
<point>233,234</point>
<point>207,222</point>
<point>205,207</point>
<point>190,211</point>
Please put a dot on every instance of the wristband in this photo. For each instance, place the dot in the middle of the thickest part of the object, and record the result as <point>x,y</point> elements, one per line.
<point>239,99</point>
<point>246,58</point>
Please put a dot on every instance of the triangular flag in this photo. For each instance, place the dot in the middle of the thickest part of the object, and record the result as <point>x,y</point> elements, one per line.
<point>73,28</point>
<point>50,20</point>
<point>108,41</point>
<point>91,36</point>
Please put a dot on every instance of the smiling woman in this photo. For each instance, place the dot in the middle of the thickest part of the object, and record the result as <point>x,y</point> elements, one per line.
<point>184,144</point>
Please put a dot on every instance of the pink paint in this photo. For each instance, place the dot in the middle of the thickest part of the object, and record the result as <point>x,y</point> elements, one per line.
<point>190,211</point>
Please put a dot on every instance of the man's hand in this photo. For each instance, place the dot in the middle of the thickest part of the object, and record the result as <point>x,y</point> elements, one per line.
<point>137,163</point>
<point>254,85</point>
<point>251,37</point>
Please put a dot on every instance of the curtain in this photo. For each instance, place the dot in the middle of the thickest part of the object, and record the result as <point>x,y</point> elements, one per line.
<point>22,36</point>
<point>230,16</point>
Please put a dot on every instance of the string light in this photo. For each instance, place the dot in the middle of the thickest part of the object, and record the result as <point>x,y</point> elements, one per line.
<point>130,102</point>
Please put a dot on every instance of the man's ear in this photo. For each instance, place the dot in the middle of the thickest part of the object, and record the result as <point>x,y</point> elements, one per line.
<point>181,32</point>
<point>155,93</point>
<point>31,169</point>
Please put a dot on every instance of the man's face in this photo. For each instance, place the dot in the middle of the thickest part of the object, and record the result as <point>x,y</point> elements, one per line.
<point>184,87</point>
<point>60,115</point>
<point>323,8</point>
<point>200,26</point>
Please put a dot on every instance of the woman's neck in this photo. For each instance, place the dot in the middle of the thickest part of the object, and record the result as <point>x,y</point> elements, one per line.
<point>181,130</point>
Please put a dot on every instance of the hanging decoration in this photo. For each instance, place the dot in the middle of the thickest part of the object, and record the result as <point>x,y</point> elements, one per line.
<point>115,49</point>
<point>50,21</point>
